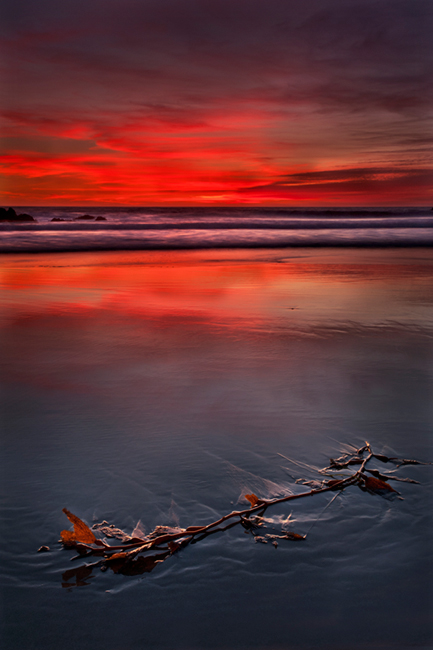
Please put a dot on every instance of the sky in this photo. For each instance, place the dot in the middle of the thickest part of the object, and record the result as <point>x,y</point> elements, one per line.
<point>216,102</point>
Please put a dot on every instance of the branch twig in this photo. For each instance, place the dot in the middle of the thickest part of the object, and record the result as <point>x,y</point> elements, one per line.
<point>131,556</point>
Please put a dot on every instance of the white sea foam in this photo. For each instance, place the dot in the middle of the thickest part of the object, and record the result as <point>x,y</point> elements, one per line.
<point>171,228</point>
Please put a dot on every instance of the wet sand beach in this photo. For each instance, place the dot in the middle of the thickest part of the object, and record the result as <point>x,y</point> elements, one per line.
<point>161,386</point>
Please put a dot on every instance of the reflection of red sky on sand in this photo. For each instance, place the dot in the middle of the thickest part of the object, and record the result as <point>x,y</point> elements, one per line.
<point>101,309</point>
<point>172,289</point>
<point>190,271</point>
<point>183,280</point>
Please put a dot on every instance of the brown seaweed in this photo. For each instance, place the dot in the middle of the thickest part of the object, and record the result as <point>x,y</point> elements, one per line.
<point>135,555</point>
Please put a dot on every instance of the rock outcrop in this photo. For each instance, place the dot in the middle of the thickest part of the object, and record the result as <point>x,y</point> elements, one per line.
<point>10,215</point>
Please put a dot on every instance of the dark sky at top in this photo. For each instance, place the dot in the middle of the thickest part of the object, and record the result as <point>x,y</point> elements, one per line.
<point>216,102</point>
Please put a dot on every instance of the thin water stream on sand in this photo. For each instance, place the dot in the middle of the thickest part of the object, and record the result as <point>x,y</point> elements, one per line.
<point>161,387</point>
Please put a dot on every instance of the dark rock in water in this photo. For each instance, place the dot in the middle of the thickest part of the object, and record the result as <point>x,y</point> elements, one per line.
<point>7,215</point>
<point>85,216</point>
<point>57,219</point>
<point>100,219</point>
<point>11,215</point>
<point>25,217</point>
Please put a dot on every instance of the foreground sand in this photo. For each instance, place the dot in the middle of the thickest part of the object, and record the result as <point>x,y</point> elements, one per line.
<point>161,386</point>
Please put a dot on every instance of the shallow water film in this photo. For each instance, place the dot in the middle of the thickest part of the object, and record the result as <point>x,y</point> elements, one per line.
<point>158,388</point>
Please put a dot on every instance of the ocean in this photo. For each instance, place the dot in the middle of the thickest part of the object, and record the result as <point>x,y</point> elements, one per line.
<point>158,366</point>
<point>176,228</point>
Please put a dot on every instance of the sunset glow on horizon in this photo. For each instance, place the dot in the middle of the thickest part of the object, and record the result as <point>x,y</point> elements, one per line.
<point>210,102</point>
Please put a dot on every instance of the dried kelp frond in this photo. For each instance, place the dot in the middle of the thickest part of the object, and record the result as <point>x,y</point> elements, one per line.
<point>164,530</point>
<point>110,530</point>
<point>377,486</point>
<point>387,477</point>
<point>81,532</point>
<point>136,554</point>
<point>139,531</point>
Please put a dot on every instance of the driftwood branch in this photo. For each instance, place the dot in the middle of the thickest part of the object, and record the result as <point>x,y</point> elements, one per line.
<point>139,553</point>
